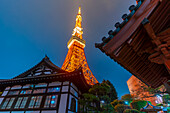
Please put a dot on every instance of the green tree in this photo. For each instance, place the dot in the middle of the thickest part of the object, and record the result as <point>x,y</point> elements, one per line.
<point>112,93</point>
<point>115,102</point>
<point>87,102</point>
<point>127,98</point>
<point>105,92</point>
<point>131,111</point>
<point>121,107</point>
<point>166,99</point>
<point>108,108</point>
<point>138,104</point>
<point>99,89</point>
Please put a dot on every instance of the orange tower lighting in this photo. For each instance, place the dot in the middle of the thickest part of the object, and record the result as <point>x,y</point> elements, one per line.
<point>76,57</point>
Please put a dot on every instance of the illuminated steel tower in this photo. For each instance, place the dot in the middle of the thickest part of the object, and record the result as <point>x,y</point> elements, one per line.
<point>76,57</point>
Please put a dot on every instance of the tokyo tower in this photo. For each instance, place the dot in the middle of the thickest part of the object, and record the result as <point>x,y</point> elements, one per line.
<point>76,57</point>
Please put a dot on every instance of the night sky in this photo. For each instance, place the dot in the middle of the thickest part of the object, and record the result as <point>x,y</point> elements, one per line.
<point>29,29</point>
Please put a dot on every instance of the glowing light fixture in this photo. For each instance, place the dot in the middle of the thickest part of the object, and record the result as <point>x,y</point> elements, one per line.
<point>102,101</point>
<point>52,102</point>
<point>126,102</point>
<point>53,97</point>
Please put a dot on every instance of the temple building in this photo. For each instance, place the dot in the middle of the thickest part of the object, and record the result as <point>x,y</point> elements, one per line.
<point>141,43</point>
<point>46,88</point>
<point>138,89</point>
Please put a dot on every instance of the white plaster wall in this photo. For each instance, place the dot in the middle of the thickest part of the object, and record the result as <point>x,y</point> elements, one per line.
<point>63,103</point>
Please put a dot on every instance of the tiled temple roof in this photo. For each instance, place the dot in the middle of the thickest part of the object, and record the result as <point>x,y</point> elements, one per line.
<point>56,74</point>
<point>133,48</point>
<point>118,25</point>
<point>44,61</point>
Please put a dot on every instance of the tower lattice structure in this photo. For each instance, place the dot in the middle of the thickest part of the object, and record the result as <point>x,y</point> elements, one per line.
<point>76,57</point>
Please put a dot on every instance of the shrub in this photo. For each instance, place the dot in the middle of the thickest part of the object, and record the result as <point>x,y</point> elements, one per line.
<point>138,104</point>
<point>131,111</point>
<point>115,102</point>
<point>121,107</point>
<point>168,110</point>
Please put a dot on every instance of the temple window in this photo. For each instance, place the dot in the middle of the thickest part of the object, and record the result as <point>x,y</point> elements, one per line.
<point>54,89</point>
<point>1,99</point>
<point>41,85</point>
<point>10,103</point>
<point>4,93</point>
<point>35,102</point>
<point>21,102</point>
<point>49,111</point>
<point>73,105</point>
<point>54,83</point>
<point>7,88</point>
<point>16,87</point>
<point>33,112</point>
<point>38,102</point>
<point>28,86</point>
<point>66,83</point>
<point>51,101</point>
<point>39,90</point>
<point>74,86</point>
<point>73,92</point>
<point>7,103</point>
<point>17,112</point>
<point>25,91</point>
<point>47,72</point>
<point>39,73</point>
<point>13,92</point>
<point>24,101</point>
<point>65,89</point>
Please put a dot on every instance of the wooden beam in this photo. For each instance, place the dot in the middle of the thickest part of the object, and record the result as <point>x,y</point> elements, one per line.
<point>162,55</point>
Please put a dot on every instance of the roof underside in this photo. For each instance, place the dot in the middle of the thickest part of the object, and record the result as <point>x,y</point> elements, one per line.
<point>75,77</point>
<point>131,49</point>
